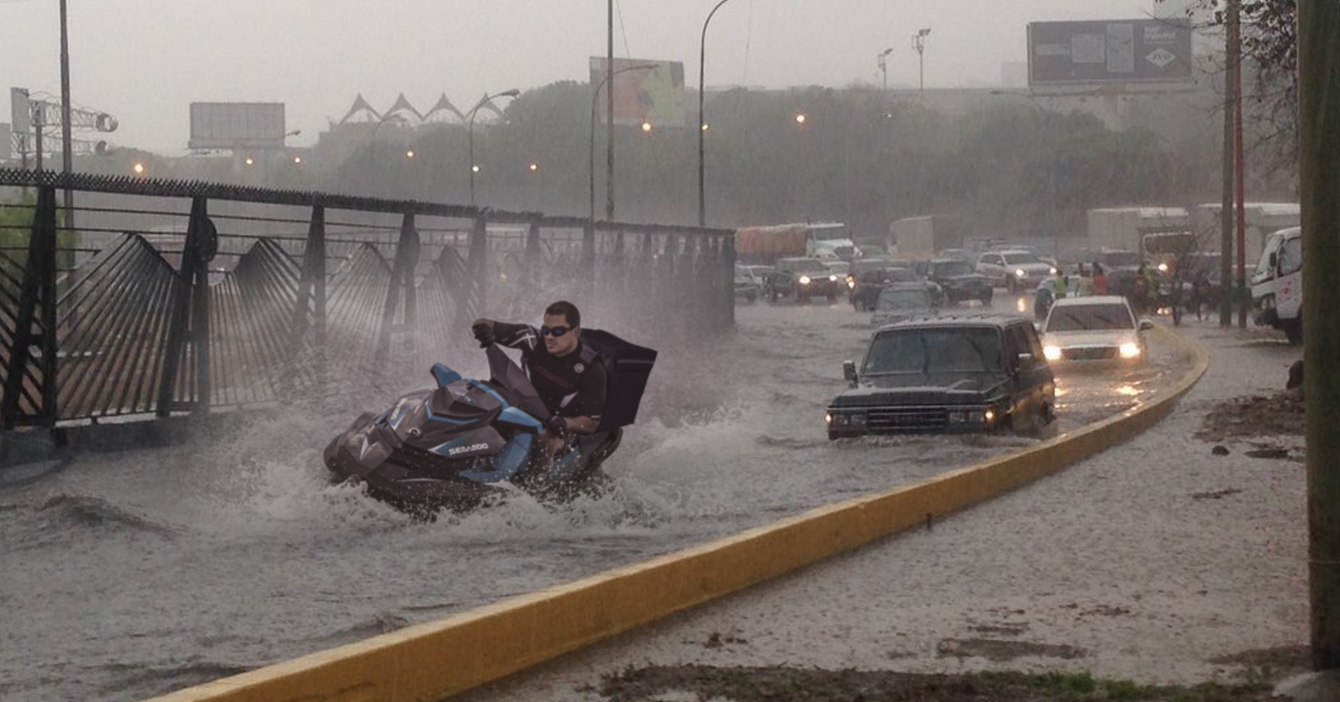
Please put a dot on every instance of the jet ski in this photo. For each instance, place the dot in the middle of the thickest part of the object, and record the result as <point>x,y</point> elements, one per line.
<point>467,441</point>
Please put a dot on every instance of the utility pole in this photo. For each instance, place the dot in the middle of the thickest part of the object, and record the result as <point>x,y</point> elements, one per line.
<point>609,117</point>
<point>1319,170</point>
<point>1232,51</point>
<point>67,143</point>
<point>1240,157</point>
<point>38,128</point>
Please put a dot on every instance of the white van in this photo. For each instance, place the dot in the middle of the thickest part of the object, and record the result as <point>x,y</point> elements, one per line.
<point>1277,284</point>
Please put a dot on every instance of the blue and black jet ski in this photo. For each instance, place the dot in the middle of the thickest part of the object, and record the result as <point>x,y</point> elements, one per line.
<point>468,440</point>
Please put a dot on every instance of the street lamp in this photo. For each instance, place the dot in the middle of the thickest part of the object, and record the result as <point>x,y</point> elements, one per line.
<point>474,168</point>
<point>883,68</point>
<point>409,154</point>
<point>702,129</point>
<point>919,46</point>
<point>595,97</point>
<point>1051,163</point>
<point>800,118</point>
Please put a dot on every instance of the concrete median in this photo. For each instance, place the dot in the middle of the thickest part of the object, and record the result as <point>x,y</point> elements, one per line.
<point>438,659</point>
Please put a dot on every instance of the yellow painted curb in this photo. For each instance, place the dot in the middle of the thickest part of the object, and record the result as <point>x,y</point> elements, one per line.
<point>438,659</point>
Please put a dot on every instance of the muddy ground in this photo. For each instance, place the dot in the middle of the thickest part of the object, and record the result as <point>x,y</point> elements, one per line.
<point>695,683</point>
<point>1254,417</point>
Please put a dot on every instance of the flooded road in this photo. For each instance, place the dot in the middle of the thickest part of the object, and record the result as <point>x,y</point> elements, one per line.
<point>128,575</point>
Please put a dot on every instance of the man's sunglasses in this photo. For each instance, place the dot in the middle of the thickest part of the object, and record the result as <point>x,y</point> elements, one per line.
<point>554,331</point>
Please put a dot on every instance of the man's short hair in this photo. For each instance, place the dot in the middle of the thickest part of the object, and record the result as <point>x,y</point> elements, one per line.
<point>568,310</point>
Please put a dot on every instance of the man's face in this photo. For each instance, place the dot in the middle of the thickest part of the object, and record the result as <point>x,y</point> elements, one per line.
<point>560,345</point>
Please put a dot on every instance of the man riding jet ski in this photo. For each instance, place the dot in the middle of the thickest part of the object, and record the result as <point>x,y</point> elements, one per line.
<point>547,433</point>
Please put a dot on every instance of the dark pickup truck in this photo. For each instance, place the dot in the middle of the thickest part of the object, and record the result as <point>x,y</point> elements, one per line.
<point>960,374</point>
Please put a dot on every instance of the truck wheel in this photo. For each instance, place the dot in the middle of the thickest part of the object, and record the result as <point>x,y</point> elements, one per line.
<point>1293,329</point>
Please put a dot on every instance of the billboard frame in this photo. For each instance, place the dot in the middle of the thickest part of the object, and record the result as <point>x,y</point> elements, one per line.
<point>1155,45</point>
<point>665,105</point>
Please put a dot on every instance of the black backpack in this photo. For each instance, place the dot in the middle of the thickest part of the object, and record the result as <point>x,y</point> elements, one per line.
<point>627,367</point>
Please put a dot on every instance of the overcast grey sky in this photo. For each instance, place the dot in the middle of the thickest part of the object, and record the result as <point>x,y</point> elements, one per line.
<point>144,61</point>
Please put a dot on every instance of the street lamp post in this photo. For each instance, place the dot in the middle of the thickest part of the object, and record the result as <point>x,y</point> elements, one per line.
<point>884,69</point>
<point>919,46</point>
<point>595,99</point>
<point>702,121</point>
<point>67,142</point>
<point>473,166</point>
<point>372,141</point>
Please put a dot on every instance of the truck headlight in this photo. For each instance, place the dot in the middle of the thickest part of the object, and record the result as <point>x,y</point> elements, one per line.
<point>1129,350</point>
<point>1051,353</point>
<point>832,279</point>
<point>988,416</point>
<point>804,280</point>
<point>1019,272</point>
<point>1052,271</point>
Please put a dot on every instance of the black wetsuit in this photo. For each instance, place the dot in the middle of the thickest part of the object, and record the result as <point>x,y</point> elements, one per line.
<point>571,385</point>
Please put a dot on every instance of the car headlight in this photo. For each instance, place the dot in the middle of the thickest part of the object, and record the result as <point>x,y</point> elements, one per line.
<point>1052,271</point>
<point>828,418</point>
<point>851,283</point>
<point>988,416</point>
<point>1051,353</point>
<point>1163,268</point>
<point>1020,272</point>
<point>804,280</point>
<point>832,279</point>
<point>1129,350</point>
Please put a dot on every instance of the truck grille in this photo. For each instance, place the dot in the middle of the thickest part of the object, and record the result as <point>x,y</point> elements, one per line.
<point>907,418</point>
<point>1093,353</point>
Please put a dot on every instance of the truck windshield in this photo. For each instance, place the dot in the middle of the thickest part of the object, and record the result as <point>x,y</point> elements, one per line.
<point>1090,318</point>
<point>1120,259</point>
<point>959,350</point>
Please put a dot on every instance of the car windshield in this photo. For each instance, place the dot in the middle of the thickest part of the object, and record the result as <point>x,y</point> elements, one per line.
<point>961,350</point>
<point>809,266</point>
<point>1020,258</point>
<point>899,275</point>
<point>1109,317</point>
<point>953,268</point>
<point>895,299</point>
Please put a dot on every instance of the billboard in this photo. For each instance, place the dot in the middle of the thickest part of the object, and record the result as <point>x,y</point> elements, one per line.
<point>237,125</point>
<point>1109,51</point>
<point>644,91</point>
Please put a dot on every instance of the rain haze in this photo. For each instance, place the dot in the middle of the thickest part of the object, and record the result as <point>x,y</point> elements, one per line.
<point>316,55</point>
<point>358,317</point>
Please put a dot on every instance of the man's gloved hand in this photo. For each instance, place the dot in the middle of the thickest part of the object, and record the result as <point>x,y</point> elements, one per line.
<point>483,334</point>
<point>556,425</point>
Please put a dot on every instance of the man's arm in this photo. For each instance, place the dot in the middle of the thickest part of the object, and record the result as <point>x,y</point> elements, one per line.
<point>516,336</point>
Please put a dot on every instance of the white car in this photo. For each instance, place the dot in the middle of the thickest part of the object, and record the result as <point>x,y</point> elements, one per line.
<point>1014,269</point>
<point>1095,330</point>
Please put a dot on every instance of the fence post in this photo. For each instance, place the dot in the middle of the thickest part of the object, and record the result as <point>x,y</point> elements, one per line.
<point>402,284</point>
<point>37,304</point>
<point>309,311</point>
<point>477,271</point>
<point>188,328</point>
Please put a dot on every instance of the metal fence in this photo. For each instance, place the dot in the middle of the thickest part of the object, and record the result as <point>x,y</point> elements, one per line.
<point>172,296</point>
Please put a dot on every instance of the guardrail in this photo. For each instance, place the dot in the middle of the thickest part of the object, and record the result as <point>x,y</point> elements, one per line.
<point>435,660</point>
<point>183,297</point>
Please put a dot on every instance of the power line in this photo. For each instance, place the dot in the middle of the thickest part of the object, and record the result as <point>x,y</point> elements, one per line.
<point>627,53</point>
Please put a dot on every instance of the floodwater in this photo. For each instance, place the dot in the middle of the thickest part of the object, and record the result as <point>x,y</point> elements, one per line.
<point>134,574</point>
